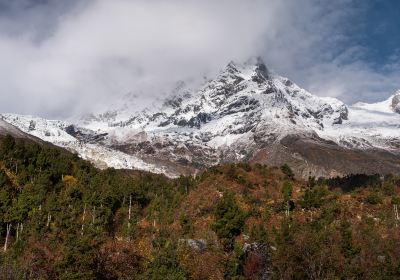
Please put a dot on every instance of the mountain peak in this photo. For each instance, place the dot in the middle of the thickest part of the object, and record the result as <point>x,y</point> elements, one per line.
<point>255,65</point>
<point>232,67</point>
<point>261,68</point>
<point>245,112</point>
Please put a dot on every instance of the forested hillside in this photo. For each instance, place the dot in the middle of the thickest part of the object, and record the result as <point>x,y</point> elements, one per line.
<point>61,218</point>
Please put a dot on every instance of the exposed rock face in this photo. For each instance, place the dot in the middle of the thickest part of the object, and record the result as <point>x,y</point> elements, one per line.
<point>257,256</point>
<point>195,244</point>
<point>245,113</point>
<point>318,157</point>
<point>396,102</point>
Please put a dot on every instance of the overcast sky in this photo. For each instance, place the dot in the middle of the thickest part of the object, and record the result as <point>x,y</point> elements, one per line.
<point>63,57</point>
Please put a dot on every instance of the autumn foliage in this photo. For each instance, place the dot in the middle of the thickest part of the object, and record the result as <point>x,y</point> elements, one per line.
<point>69,220</point>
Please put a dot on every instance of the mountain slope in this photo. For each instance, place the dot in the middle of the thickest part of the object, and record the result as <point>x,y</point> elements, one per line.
<point>61,218</point>
<point>59,133</point>
<point>246,113</point>
<point>8,129</point>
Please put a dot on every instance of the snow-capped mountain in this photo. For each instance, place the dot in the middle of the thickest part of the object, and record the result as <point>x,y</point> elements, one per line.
<point>246,113</point>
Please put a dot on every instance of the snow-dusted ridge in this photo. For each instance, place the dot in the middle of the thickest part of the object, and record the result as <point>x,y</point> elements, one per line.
<point>55,131</point>
<point>244,110</point>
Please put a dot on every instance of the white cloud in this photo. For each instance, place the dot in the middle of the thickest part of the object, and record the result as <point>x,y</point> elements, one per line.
<point>112,47</point>
<point>89,53</point>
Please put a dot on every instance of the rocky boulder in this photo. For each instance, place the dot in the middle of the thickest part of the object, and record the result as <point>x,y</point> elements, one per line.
<point>396,102</point>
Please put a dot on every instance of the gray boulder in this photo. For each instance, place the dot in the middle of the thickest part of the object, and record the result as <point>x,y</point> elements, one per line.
<point>396,102</point>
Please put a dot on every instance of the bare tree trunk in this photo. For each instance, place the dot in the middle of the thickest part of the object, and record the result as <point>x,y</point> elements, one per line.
<point>129,211</point>
<point>83,219</point>
<point>48,220</point>
<point>7,236</point>
<point>93,214</point>
<point>396,214</point>
<point>17,232</point>
<point>287,209</point>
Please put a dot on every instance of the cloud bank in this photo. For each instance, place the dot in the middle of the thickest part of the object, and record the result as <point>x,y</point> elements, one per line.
<point>59,59</point>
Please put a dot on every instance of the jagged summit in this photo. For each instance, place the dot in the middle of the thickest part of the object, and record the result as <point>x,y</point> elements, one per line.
<point>245,113</point>
<point>261,68</point>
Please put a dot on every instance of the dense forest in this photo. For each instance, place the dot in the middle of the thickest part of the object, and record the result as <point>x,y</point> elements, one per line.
<point>61,218</point>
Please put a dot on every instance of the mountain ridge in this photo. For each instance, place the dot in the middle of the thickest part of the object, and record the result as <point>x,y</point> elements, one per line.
<point>246,113</point>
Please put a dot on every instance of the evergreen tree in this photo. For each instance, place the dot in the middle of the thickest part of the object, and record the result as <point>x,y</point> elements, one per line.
<point>229,220</point>
<point>287,171</point>
<point>349,250</point>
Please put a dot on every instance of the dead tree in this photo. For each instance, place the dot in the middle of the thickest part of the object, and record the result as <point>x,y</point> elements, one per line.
<point>287,210</point>
<point>396,214</point>
<point>130,211</point>
<point>7,237</point>
<point>17,237</point>
<point>83,219</point>
<point>48,219</point>
<point>93,215</point>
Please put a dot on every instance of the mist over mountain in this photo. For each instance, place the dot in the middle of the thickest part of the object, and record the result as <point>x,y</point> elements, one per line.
<point>66,58</point>
<point>246,112</point>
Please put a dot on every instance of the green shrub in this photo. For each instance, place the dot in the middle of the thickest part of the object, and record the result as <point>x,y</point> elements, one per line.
<point>396,200</point>
<point>185,224</point>
<point>287,171</point>
<point>313,198</point>
<point>389,184</point>
<point>287,190</point>
<point>374,198</point>
<point>348,248</point>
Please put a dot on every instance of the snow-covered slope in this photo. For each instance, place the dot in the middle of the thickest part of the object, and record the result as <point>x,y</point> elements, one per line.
<point>368,125</point>
<point>242,101</point>
<point>245,113</point>
<point>7,129</point>
<point>56,132</point>
<point>240,92</point>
